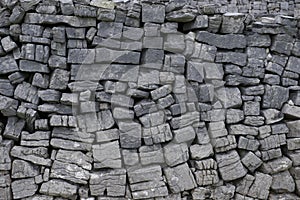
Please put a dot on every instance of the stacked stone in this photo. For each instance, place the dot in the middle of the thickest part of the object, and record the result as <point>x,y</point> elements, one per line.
<point>149,100</point>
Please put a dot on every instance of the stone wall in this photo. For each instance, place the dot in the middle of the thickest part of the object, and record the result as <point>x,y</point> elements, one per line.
<point>149,100</point>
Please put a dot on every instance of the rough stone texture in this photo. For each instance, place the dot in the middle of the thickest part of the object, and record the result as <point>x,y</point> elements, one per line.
<point>123,99</point>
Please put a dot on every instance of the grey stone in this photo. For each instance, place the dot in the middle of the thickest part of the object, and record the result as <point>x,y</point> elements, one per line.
<point>260,186</point>
<point>176,154</point>
<point>275,68</point>
<point>206,93</point>
<point>199,152</point>
<point>217,129</point>
<point>213,70</point>
<point>144,174</point>
<point>234,116</point>
<point>104,55</point>
<point>180,178</point>
<point>17,15</point>
<point>224,144</point>
<point>200,22</point>
<point>59,188</point>
<point>23,188</point>
<point>185,134</point>
<point>253,90</point>
<point>111,181</point>
<point>153,13</point>
<point>8,65</point>
<point>271,79</point>
<point>23,169</point>
<point>110,29</point>
<point>59,79</point>
<point>152,58</point>
<point>291,111</point>
<point>70,145</point>
<point>251,161</point>
<point>282,44</point>
<point>240,129</point>
<point>151,155</point>
<point>13,128</point>
<point>8,44</point>
<point>40,80</point>
<point>283,182</point>
<point>70,172</point>
<point>152,42</point>
<point>107,155</point>
<point>230,166</point>
<point>195,71</point>
<point>57,62</point>
<point>36,139</point>
<point>276,165</point>
<point>234,80</point>
<point>81,56</point>
<point>292,64</point>
<point>233,23</point>
<point>157,134</point>
<point>31,66</point>
<point>182,15</point>
<point>49,95</point>
<point>26,92</point>
<point>232,57</point>
<point>230,97</point>
<point>274,97</point>
<point>5,148</point>
<point>38,155</point>
<point>133,33</point>
<point>219,40</point>
<point>36,18</point>
<point>130,134</point>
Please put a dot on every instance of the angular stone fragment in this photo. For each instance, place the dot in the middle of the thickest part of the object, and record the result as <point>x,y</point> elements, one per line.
<point>232,57</point>
<point>59,79</point>
<point>195,71</point>
<point>157,134</point>
<point>70,172</point>
<point>8,44</point>
<point>81,56</point>
<point>185,134</point>
<point>251,161</point>
<point>59,188</point>
<point>23,169</point>
<point>200,22</point>
<point>261,185</point>
<point>5,160</point>
<point>199,152</point>
<point>283,182</point>
<point>234,116</point>
<point>230,166</point>
<point>36,18</point>
<point>38,155</point>
<point>276,165</point>
<point>111,181</point>
<point>153,13</point>
<point>8,65</point>
<point>230,97</point>
<point>233,23</point>
<point>240,129</point>
<point>24,188</point>
<point>130,134</point>
<point>13,128</point>
<point>180,178</point>
<point>251,108</point>
<point>6,88</point>
<point>36,139</point>
<point>176,153</point>
<point>107,155</point>
<point>27,92</point>
<point>229,41</point>
<point>151,155</point>
<point>234,80</point>
<point>291,111</point>
<point>274,97</point>
<point>182,15</point>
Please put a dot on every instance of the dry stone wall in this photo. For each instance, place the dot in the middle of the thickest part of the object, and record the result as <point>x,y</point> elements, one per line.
<point>153,100</point>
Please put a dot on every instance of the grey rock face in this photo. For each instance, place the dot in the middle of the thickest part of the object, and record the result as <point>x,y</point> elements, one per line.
<point>230,165</point>
<point>229,41</point>
<point>274,97</point>
<point>59,188</point>
<point>180,178</point>
<point>24,188</point>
